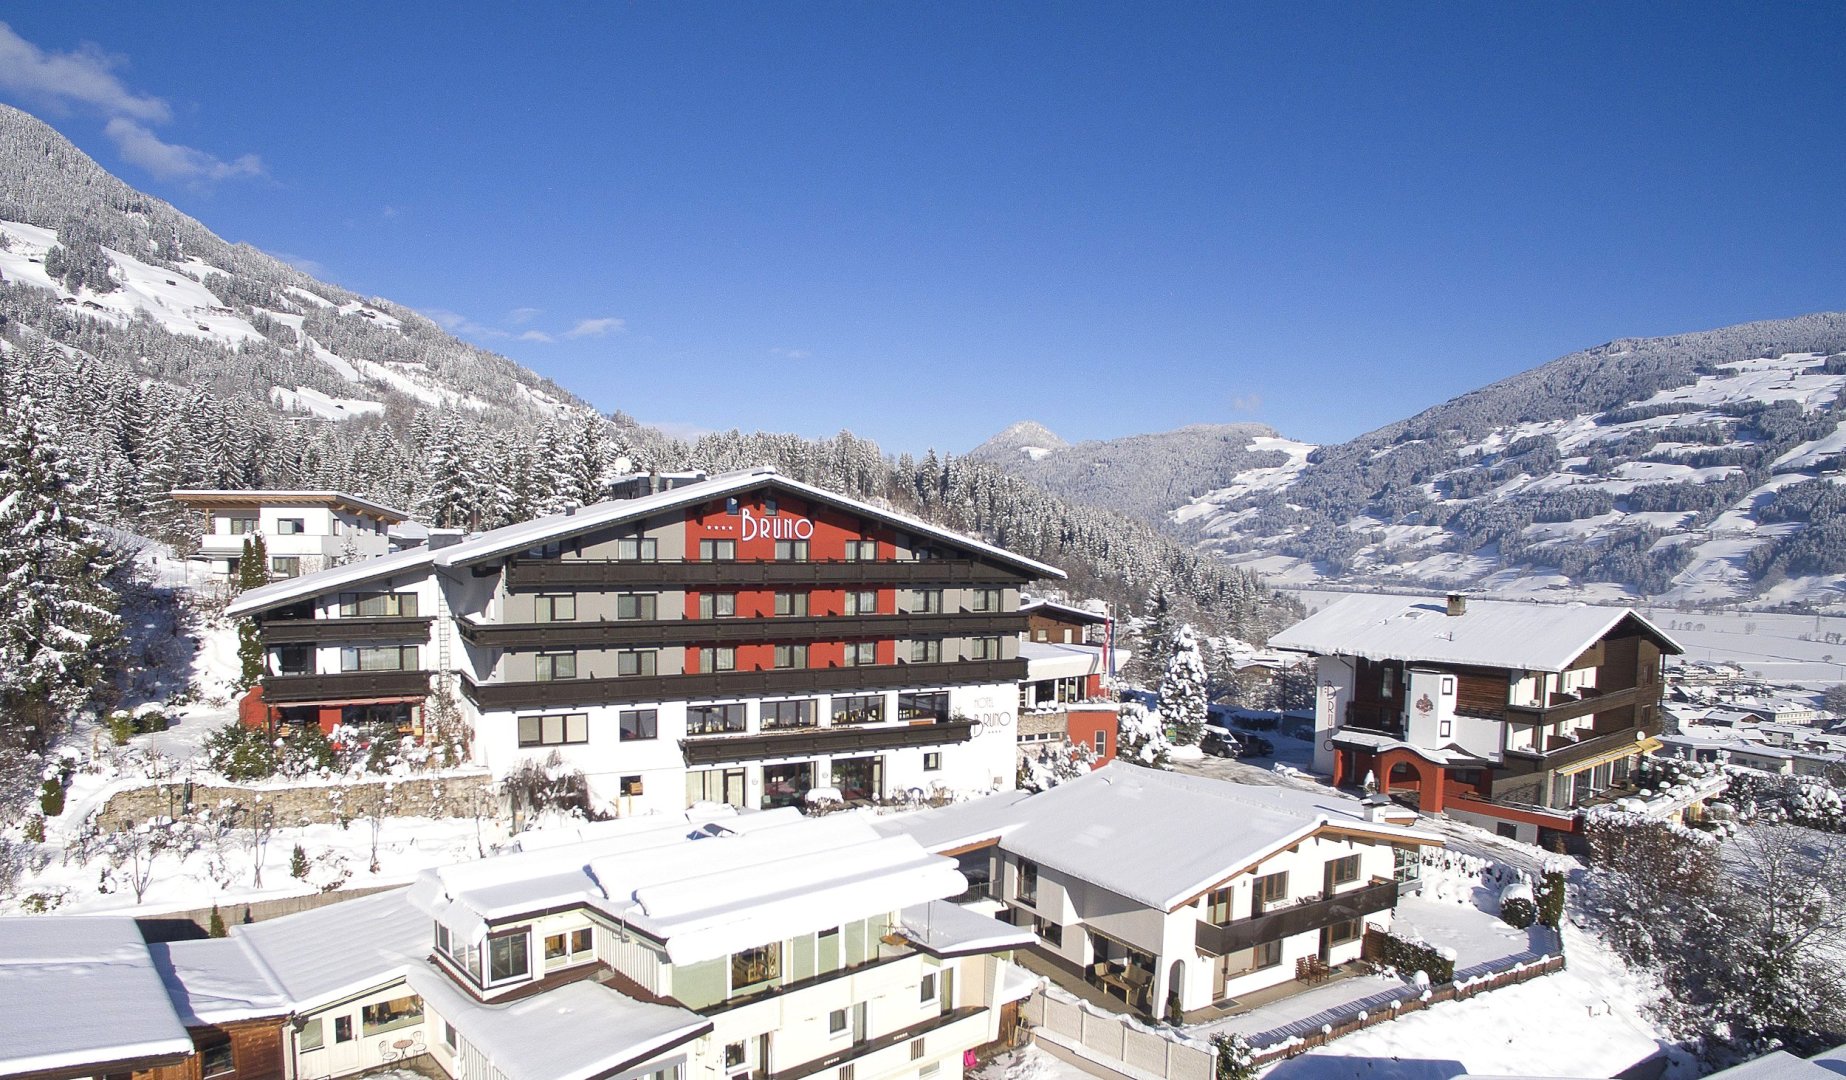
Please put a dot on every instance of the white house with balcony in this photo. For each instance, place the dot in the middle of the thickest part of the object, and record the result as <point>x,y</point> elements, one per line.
<point>303,531</point>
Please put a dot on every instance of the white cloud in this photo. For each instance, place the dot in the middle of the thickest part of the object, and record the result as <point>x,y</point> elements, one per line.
<point>86,77</point>
<point>519,316</point>
<point>83,77</point>
<point>169,161</point>
<point>595,328</point>
<point>1247,403</point>
<point>537,335</point>
<point>457,323</point>
<point>310,267</point>
<point>790,354</point>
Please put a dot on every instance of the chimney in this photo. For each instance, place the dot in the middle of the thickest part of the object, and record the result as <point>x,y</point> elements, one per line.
<point>1458,604</point>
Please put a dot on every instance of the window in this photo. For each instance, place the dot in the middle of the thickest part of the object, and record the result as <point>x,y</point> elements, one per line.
<point>1340,933</point>
<point>1266,955</point>
<point>636,662</point>
<point>924,602</point>
<point>859,709</point>
<point>576,944</point>
<point>1343,871</point>
<point>1028,881</point>
<point>715,786</point>
<point>1271,889</point>
<point>554,730</point>
<point>342,1029</point>
<point>1050,932</point>
<point>285,566</point>
<point>311,1037</point>
<point>218,1060</point>
<point>639,724</point>
<point>837,1023</point>
<point>720,605</point>
<point>506,957</point>
<point>916,1049</point>
<point>984,648</point>
<point>791,551</point>
<point>293,659</point>
<point>926,990</point>
<point>242,526</point>
<point>926,651</point>
<point>1387,682</point>
<point>859,654</point>
<point>632,787</point>
<point>1407,864</point>
<point>291,526</point>
<point>718,658</point>
<point>930,706</point>
<point>717,550</point>
<point>791,603</point>
<point>449,1038</point>
<point>1102,741</point>
<point>391,1015</point>
<point>550,666</point>
<point>379,658</point>
<point>861,602</point>
<point>562,608</point>
<point>791,656</point>
<point>932,761</point>
<point>861,550</point>
<point>637,548</point>
<point>758,965</point>
<point>1445,729</point>
<point>984,599</point>
<point>374,605</point>
<point>734,1055</point>
<point>788,714</point>
<point>714,719</point>
<point>636,605</point>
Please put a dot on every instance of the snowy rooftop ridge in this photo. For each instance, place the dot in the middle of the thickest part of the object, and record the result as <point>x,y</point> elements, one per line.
<point>211,497</point>
<point>510,539</point>
<point>705,891</point>
<point>217,981</point>
<point>1519,635</point>
<point>81,991</point>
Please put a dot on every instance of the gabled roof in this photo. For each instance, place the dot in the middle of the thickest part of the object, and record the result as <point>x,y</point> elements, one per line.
<point>1064,611</point>
<point>1159,838</point>
<point>82,991</point>
<point>210,498</point>
<point>340,949</point>
<point>217,981</point>
<point>1517,635</point>
<point>511,539</point>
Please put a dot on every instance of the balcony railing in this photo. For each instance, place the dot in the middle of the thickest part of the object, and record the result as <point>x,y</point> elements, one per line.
<point>739,684</point>
<point>1559,752</point>
<point>344,686</point>
<point>1301,918</point>
<point>1374,716</point>
<point>628,573</point>
<point>1592,701</point>
<point>667,632</point>
<point>315,631</point>
<point>807,742</point>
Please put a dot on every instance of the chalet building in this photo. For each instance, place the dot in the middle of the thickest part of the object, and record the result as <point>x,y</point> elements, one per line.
<point>1508,714</point>
<point>743,639</point>
<point>1173,892</point>
<point>1049,621</point>
<point>303,531</point>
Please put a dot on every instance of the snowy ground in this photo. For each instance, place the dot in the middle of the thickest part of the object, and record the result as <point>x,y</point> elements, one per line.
<point>1029,1063</point>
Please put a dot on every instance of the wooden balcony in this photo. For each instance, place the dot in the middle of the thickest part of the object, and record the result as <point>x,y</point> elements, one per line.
<point>669,632</point>
<point>1589,702</point>
<point>533,574</point>
<point>1559,753</point>
<point>778,682</point>
<point>1380,895</point>
<point>1379,716</point>
<point>342,631</point>
<point>344,686</point>
<point>807,742</point>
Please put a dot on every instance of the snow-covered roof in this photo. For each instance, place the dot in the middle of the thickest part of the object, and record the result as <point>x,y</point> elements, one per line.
<point>217,981</point>
<point>1378,743</point>
<point>1069,611</point>
<point>289,590</point>
<point>1782,1065</point>
<point>82,991</point>
<point>214,497</point>
<point>573,1032</point>
<point>705,892</point>
<point>958,825</point>
<point>498,543</point>
<point>1521,636</point>
<point>1015,983</point>
<point>1052,660</point>
<point>942,928</point>
<point>342,948</point>
<point>1161,838</point>
<point>540,531</point>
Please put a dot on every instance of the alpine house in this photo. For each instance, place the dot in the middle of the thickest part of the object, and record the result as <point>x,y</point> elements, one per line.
<point>743,639</point>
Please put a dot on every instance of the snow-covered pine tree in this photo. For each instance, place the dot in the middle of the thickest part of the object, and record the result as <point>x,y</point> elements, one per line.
<point>252,573</point>
<point>58,621</point>
<point>1182,688</point>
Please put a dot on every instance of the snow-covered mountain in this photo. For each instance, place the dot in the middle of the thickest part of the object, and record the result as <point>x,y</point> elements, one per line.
<point>1696,467</point>
<point>1143,476</point>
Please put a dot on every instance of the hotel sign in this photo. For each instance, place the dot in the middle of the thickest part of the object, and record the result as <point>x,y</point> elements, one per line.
<point>775,528</point>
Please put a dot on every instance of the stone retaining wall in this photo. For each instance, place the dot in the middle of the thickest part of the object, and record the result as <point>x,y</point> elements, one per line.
<point>454,794</point>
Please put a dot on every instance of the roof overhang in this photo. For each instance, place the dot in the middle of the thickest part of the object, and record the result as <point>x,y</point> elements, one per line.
<point>212,499</point>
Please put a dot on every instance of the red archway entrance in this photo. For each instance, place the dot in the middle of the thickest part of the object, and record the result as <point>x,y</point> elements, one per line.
<point>1401,770</point>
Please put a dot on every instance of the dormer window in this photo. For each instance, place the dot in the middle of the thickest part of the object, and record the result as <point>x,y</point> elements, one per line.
<point>508,956</point>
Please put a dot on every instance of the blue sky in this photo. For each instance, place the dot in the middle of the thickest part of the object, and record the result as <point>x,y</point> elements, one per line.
<point>925,221</point>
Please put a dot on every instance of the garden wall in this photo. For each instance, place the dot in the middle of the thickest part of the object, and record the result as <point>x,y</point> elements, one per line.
<point>451,794</point>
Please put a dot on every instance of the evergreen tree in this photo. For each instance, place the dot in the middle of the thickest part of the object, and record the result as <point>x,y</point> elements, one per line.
<point>252,573</point>
<point>58,621</point>
<point>1182,688</point>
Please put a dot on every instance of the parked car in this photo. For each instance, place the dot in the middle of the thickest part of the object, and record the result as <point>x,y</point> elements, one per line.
<point>1220,743</point>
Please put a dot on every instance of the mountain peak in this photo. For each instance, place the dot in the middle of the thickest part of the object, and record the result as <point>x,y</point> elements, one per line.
<point>1027,438</point>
